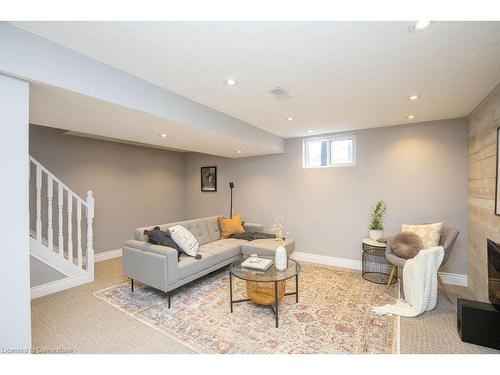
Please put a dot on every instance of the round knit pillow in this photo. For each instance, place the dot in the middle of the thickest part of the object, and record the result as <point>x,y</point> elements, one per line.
<point>407,245</point>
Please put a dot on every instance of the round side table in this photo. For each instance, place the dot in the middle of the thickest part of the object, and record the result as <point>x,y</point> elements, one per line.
<point>375,267</point>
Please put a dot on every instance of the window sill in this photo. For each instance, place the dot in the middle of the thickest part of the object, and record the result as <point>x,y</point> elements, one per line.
<point>331,166</point>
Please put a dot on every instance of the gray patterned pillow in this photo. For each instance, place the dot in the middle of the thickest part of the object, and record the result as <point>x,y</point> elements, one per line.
<point>406,245</point>
<point>162,238</point>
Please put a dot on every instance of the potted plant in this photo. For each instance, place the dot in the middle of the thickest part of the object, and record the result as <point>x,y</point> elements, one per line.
<point>376,228</point>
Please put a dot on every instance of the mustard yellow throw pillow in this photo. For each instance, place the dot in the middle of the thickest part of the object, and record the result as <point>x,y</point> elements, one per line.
<point>230,226</point>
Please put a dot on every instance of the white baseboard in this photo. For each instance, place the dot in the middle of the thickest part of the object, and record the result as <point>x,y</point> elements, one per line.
<point>100,257</point>
<point>448,278</point>
<point>58,285</point>
<point>454,279</point>
<point>327,260</point>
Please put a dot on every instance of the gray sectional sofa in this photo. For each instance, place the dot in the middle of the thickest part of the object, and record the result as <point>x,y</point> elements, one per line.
<point>158,266</point>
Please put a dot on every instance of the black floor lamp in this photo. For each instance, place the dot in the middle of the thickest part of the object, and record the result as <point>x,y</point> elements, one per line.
<point>231,186</point>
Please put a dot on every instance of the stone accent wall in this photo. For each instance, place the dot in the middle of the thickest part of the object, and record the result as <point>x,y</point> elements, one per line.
<point>483,223</point>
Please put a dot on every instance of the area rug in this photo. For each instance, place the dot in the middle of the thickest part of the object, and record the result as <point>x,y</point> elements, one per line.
<point>333,314</point>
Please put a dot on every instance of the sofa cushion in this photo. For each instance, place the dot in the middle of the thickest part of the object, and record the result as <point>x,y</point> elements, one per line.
<point>266,247</point>
<point>199,229</point>
<point>213,227</point>
<point>205,229</point>
<point>222,249</point>
<point>231,226</point>
<point>188,265</point>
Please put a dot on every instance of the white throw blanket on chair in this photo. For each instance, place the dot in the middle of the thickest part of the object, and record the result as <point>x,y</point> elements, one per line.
<point>419,283</point>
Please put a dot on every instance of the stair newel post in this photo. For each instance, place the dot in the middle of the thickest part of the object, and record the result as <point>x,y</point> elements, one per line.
<point>70,226</point>
<point>90,239</point>
<point>50,229</point>
<point>79,231</point>
<point>60,200</point>
<point>38,203</point>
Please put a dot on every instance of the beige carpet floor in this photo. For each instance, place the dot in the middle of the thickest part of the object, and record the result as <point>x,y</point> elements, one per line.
<point>75,319</point>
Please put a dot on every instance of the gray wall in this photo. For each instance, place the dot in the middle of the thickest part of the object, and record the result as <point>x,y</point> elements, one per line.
<point>419,170</point>
<point>133,186</point>
<point>40,273</point>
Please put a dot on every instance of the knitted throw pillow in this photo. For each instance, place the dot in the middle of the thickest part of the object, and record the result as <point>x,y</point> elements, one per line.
<point>406,245</point>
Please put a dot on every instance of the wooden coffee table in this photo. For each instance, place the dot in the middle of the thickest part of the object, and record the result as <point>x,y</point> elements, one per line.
<point>265,287</point>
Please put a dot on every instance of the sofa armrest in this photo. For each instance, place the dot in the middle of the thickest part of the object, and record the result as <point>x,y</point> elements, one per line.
<point>150,264</point>
<point>253,227</point>
<point>157,249</point>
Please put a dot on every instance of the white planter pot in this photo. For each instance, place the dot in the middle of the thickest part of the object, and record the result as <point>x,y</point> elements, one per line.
<point>375,235</point>
<point>281,259</point>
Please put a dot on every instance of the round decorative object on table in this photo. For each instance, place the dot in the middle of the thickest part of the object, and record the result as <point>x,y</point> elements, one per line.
<point>375,267</point>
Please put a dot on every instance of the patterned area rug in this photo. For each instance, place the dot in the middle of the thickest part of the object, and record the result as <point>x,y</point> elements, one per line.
<point>333,315</point>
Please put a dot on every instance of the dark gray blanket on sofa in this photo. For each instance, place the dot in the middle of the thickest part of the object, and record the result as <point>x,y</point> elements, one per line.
<point>251,236</point>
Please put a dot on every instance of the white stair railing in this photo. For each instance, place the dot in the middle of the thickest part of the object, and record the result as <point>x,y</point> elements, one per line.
<point>64,253</point>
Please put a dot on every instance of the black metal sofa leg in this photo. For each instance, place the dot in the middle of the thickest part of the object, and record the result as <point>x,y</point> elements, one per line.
<point>132,285</point>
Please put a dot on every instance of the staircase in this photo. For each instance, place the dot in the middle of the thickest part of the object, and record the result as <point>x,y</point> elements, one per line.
<point>67,252</point>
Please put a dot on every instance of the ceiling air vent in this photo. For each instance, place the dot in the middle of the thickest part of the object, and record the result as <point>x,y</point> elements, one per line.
<point>280,94</point>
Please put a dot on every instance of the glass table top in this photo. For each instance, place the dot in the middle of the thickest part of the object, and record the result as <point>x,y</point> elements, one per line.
<point>271,274</point>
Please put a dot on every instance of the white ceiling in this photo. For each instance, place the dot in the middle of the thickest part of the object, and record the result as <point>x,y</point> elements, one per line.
<point>87,116</point>
<point>342,75</point>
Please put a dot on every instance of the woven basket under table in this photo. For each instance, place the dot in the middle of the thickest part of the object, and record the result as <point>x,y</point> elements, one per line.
<point>262,293</point>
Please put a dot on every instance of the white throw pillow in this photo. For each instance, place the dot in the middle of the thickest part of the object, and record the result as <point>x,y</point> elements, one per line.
<point>430,233</point>
<point>185,240</point>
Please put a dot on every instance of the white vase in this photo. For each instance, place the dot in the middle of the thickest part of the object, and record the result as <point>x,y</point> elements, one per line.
<point>281,260</point>
<point>375,235</point>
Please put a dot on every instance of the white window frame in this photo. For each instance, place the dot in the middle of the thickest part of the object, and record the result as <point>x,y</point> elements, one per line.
<point>329,140</point>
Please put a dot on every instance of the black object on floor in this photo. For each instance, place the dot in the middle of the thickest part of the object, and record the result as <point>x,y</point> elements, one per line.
<point>478,323</point>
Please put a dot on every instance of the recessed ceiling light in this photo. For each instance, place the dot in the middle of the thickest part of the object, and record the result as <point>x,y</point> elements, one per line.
<point>290,118</point>
<point>419,26</point>
<point>230,82</point>
<point>310,131</point>
<point>414,97</point>
<point>163,135</point>
<point>239,151</point>
<point>409,117</point>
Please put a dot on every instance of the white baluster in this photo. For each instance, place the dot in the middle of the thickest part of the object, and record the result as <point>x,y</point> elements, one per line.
<point>90,241</point>
<point>38,203</point>
<point>50,229</point>
<point>60,200</point>
<point>79,232</point>
<point>70,226</point>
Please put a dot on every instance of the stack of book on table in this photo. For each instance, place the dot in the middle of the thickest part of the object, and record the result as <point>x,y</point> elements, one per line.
<point>259,264</point>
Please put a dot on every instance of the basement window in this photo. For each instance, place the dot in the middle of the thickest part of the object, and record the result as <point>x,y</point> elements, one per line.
<point>333,151</point>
